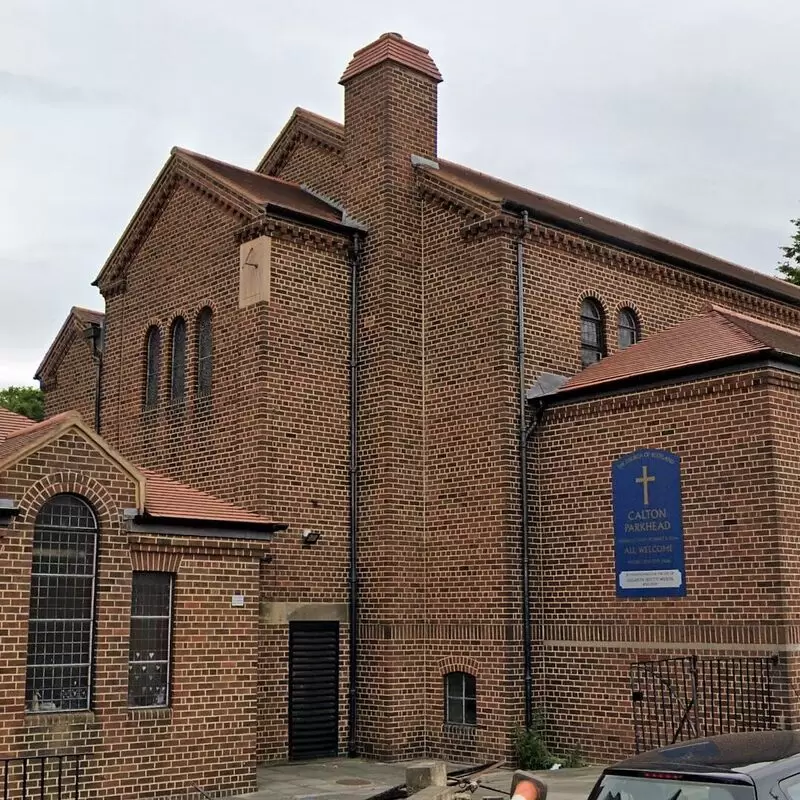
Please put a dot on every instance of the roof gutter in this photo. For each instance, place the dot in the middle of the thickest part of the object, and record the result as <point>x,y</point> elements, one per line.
<point>346,227</point>
<point>189,526</point>
<point>623,244</point>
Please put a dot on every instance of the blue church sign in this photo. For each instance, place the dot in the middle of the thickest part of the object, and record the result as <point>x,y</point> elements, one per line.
<point>648,524</point>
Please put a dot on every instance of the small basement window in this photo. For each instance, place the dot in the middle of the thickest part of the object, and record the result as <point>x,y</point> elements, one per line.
<point>460,705</point>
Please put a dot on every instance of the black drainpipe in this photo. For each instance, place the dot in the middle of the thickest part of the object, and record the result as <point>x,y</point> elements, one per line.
<point>97,347</point>
<point>355,268</point>
<point>523,476</point>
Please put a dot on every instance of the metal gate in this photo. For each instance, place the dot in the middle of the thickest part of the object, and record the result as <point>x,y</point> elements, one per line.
<point>313,689</point>
<point>685,698</point>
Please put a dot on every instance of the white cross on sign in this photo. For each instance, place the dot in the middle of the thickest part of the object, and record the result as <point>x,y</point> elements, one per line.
<point>645,480</point>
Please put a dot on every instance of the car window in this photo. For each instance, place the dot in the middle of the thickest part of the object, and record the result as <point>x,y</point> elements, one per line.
<point>791,787</point>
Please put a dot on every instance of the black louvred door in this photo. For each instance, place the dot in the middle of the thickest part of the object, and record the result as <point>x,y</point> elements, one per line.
<point>313,689</point>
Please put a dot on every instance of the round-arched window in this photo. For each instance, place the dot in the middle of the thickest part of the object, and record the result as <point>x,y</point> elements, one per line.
<point>627,328</point>
<point>593,340</point>
<point>61,620</point>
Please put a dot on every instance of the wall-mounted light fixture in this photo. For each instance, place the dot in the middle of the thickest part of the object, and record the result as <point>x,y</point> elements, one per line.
<point>311,537</point>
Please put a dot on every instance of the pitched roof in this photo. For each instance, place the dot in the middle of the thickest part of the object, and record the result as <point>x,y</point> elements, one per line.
<point>159,499</point>
<point>565,215</point>
<point>265,190</point>
<point>27,440</point>
<point>392,47</point>
<point>78,320</point>
<point>169,499</point>
<point>302,123</point>
<point>716,336</point>
<point>11,422</point>
<point>88,316</point>
<point>571,217</point>
<point>249,193</point>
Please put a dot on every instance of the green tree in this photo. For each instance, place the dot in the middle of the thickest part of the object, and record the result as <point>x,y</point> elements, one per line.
<point>25,400</point>
<point>790,269</point>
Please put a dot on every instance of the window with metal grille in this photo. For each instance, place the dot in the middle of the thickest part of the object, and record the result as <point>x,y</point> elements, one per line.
<point>178,366</point>
<point>61,620</point>
<point>153,367</point>
<point>151,639</point>
<point>460,704</point>
<point>627,328</point>
<point>593,340</point>
<point>204,352</point>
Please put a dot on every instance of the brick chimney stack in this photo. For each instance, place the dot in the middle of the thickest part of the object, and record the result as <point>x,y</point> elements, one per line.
<point>390,114</point>
<point>390,111</point>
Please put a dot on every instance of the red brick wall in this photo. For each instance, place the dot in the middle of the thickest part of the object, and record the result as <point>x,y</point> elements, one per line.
<point>439,503</point>
<point>307,451</point>
<point>588,637</point>
<point>314,164</point>
<point>72,385</point>
<point>207,736</point>
<point>189,260</point>
<point>560,270</point>
<point>390,113</point>
<point>471,506</point>
<point>274,434</point>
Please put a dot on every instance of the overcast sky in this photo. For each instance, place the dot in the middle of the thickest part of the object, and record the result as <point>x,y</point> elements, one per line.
<point>679,117</point>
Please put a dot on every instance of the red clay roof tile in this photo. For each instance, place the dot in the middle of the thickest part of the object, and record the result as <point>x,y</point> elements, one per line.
<point>11,422</point>
<point>263,189</point>
<point>168,498</point>
<point>164,497</point>
<point>392,47</point>
<point>20,438</point>
<point>716,335</point>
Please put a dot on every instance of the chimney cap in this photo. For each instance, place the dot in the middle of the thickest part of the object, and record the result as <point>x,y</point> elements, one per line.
<point>392,46</point>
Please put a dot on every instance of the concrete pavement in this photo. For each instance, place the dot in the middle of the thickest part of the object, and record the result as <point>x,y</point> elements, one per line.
<point>356,779</point>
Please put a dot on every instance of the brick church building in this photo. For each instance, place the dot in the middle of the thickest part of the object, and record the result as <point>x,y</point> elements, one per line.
<point>448,413</point>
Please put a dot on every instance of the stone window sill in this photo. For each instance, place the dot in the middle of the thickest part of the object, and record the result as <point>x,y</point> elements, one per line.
<point>155,714</point>
<point>57,719</point>
<point>460,729</point>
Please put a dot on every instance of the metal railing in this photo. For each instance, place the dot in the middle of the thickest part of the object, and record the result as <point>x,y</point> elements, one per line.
<point>49,777</point>
<point>683,698</point>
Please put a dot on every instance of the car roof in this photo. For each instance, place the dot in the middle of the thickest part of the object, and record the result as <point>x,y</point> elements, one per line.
<point>758,754</point>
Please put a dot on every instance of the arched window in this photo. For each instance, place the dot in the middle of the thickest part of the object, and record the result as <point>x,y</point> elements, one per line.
<point>205,353</point>
<point>593,340</point>
<point>61,621</point>
<point>153,367</point>
<point>627,328</point>
<point>177,386</point>
<point>460,702</point>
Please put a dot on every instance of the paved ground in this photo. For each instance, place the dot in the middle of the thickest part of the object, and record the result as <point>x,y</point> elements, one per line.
<point>354,779</point>
<point>334,779</point>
